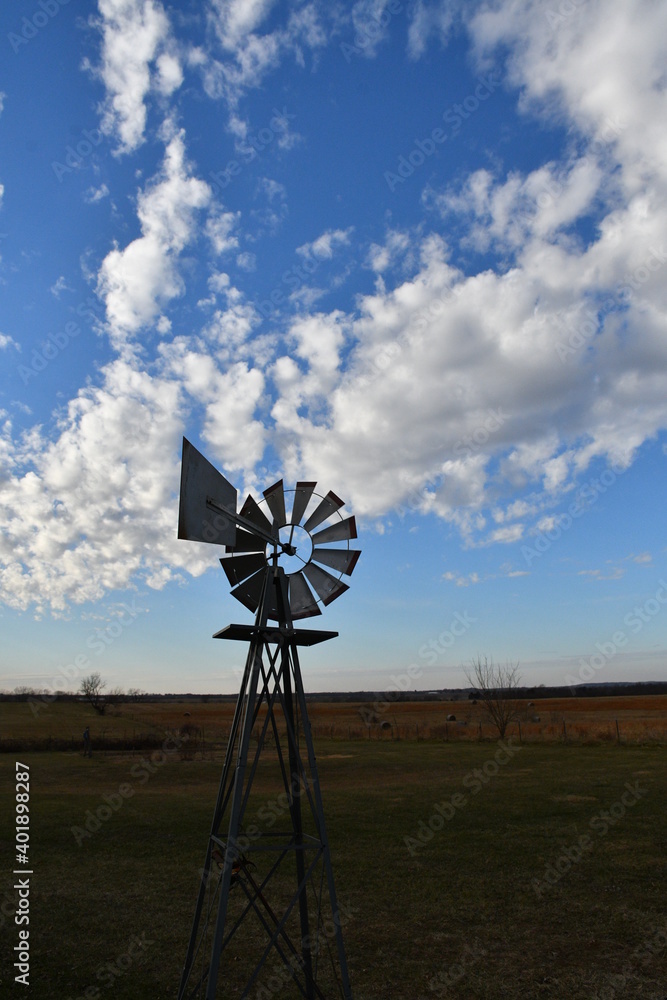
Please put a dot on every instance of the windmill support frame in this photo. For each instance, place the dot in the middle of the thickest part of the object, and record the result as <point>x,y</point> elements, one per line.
<point>271,680</point>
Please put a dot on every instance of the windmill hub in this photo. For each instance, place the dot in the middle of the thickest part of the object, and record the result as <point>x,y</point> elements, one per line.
<point>295,548</point>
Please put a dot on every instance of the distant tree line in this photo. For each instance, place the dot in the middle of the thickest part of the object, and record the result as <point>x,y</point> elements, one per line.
<point>116,697</point>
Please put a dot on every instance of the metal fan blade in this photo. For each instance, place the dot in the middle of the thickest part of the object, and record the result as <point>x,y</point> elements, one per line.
<point>238,568</point>
<point>250,591</point>
<point>252,512</point>
<point>246,542</point>
<point>344,560</point>
<point>338,532</point>
<point>328,587</point>
<point>199,480</point>
<point>275,499</point>
<point>302,495</point>
<point>328,506</point>
<point>301,600</point>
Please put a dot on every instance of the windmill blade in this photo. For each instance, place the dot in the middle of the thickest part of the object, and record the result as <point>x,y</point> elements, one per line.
<point>327,587</point>
<point>246,542</point>
<point>328,506</point>
<point>301,600</point>
<point>275,499</point>
<point>254,513</point>
<point>249,593</point>
<point>199,480</point>
<point>302,495</point>
<point>343,560</point>
<point>338,532</point>
<point>239,568</point>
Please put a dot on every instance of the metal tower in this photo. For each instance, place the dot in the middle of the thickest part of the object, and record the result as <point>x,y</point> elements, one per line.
<point>267,923</point>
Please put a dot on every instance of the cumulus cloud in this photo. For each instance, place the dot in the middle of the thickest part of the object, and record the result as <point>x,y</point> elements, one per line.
<point>138,54</point>
<point>139,280</point>
<point>383,256</point>
<point>565,338</point>
<point>94,510</point>
<point>325,245</point>
<point>236,19</point>
<point>249,54</point>
<point>219,227</point>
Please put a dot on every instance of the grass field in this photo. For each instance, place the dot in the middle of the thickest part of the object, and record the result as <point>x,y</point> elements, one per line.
<point>547,881</point>
<point>637,719</point>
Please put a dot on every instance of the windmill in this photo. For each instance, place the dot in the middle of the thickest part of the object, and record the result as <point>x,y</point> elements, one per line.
<point>267,922</point>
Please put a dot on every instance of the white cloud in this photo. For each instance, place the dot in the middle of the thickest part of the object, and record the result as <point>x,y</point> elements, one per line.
<point>370,21</point>
<point>643,558</point>
<point>60,285</point>
<point>137,55</point>
<point>272,189</point>
<point>236,19</point>
<point>7,341</point>
<point>94,195</point>
<point>250,55</point>
<point>219,226</point>
<point>434,354</point>
<point>460,580</point>
<point>247,261</point>
<point>94,510</point>
<point>599,574</point>
<point>426,19</point>
<point>325,245</point>
<point>505,536</point>
<point>138,281</point>
<point>229,398</point>
<point>381,257</point>
<point>170,73</point>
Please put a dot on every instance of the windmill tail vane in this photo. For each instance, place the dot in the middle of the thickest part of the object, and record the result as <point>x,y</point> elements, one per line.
<point>267,909</point>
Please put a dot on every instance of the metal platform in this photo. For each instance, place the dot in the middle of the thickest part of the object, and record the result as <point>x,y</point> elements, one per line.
<point>296,636</point>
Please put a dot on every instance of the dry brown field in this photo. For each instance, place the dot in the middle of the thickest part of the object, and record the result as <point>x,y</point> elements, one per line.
<point>632,719</point>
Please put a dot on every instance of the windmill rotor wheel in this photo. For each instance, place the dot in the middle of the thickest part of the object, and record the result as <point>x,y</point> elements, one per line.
<point>311,543</point>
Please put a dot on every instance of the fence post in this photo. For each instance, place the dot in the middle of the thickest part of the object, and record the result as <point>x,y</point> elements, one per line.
<point>618,732</point>
<point>480,732</point>
<point>564,731</point>
<point>446,732</point>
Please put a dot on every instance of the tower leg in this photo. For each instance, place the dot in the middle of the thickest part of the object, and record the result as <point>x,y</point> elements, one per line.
<point>231,851</point>
<point>295,810</point>
<point>312,763</point>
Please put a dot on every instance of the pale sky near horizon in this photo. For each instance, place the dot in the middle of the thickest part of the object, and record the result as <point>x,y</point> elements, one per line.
<point>412,251</point>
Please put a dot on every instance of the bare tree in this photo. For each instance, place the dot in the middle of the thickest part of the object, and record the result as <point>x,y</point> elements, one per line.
<point>496,686</point>
<point>92,688</point>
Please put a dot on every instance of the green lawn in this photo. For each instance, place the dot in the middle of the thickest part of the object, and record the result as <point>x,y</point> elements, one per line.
<point>477,910</point>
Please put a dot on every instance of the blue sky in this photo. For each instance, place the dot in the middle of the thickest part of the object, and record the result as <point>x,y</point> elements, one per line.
<point>413,251</point>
